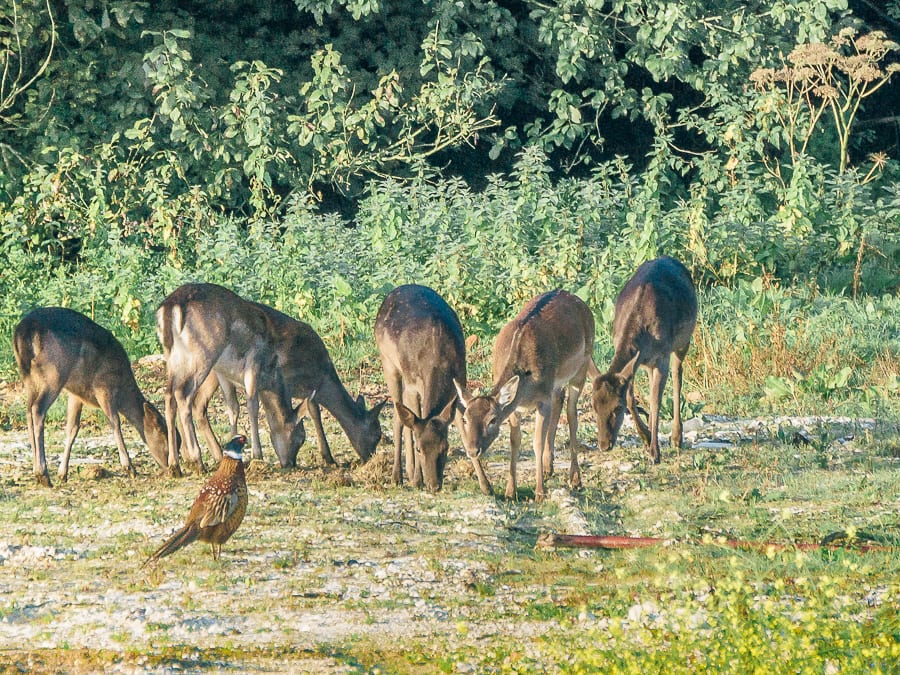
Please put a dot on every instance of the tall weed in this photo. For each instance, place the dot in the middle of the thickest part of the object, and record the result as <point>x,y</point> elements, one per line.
<point>489,251</point>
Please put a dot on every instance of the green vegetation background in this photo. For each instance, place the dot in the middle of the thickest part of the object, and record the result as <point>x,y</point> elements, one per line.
<point>312,155</point>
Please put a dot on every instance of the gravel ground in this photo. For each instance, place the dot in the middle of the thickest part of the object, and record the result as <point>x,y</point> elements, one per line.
<point>323,559</point>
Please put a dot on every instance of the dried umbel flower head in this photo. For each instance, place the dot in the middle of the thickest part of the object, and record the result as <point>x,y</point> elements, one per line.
<point>826,91</point>
<point>860,68</point>
<point>842,39</point>
<point>875,43</point>
<point>762,77</point>
<point>878,159</point>
<point>813,54</point>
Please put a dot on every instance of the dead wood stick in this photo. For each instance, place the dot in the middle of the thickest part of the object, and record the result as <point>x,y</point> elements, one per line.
<point>552,539</point>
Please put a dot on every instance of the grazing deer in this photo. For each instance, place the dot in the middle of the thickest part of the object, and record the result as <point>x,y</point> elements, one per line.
<point>654,318</point>
<point>545,350</point>
<point>59,349</point>
<point>307,372</point>
<point>204,329</point>
<point>422,351</point>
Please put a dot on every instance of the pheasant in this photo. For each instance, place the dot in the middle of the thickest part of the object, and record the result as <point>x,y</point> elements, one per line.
<point>219,508</point>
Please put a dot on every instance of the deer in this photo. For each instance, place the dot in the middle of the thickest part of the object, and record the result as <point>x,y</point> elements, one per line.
<point>423,351</point>
<point>308,373</point>
<point>544,352</point>
<point>58,349</point>
<point>654,319</point>
<point>206,329</point>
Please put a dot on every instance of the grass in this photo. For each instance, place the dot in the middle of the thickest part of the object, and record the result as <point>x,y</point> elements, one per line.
<point>337,570</point>
<point>329,576</point>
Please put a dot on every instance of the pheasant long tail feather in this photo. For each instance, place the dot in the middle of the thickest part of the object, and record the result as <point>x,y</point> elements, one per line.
<point>186,535</point>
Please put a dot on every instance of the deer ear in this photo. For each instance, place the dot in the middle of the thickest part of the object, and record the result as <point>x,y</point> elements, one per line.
<point>464,395</point>
<point>376,409</point>
<point>447,413</point>
<point>628,369</point>
<point>407,416</point>
<point>508,391</point>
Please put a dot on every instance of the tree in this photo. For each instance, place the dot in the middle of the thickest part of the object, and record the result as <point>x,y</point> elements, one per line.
<point>27,41</point>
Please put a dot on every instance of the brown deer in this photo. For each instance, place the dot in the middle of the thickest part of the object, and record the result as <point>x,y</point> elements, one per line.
<point>538,355</point>
<point>307,372</point>
<point>654,318</point>
<point>59,349</point>
<point>204,329</point>
<point>422,351</point>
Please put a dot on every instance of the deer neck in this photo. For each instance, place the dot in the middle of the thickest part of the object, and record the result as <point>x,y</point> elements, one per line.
<point>621,358</point>
<point>335,398</point>
<point>132,408</point>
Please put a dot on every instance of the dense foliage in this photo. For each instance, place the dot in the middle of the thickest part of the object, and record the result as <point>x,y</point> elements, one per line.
<point>490,149</point>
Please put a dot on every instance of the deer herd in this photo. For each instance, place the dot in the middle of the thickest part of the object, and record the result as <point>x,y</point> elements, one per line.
<point>214,339</point>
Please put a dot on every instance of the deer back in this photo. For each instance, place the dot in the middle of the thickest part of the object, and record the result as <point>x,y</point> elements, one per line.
<point>63,347</point>
<point>655,312</point>
<point>419,336</point>
<point>547,345</point>
<point>307,367</point>
<point>205,325</point>
<point>423,350</point>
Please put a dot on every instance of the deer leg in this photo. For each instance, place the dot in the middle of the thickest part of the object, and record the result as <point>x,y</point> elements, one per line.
<point>658,377</point>
<point>550,446</point>
<point>315,414</point>
<point>642,429</point>
<point>413,468</point>
<point>543,414</point>
<point>515,442</point>
<point>395,389</point>
<point>676,399</point>
<point>171,403</point>
<point>398,451</point>
<point>73,424</point>
<point>112,414</point>
<point>185,392</point>
<point>201,413</point>
<point>250,386</point>
<point>40,403</point>
<point>572,418</point>
<point>232,405</point>
<point>412,460</point>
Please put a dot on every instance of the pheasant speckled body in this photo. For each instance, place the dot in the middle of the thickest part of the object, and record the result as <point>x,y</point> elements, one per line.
<point>219,508</point>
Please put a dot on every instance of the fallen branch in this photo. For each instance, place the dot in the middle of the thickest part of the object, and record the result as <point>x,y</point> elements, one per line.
<point>551,540</point>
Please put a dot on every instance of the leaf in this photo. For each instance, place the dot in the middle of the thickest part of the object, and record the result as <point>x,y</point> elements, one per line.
<point>341,287</point>
<point>777,388</point>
